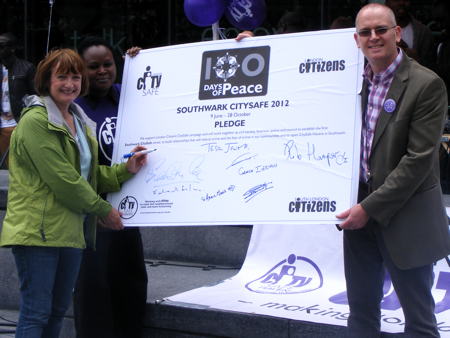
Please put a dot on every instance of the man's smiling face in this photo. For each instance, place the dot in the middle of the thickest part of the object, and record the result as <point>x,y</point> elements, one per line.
<point>380,46</point>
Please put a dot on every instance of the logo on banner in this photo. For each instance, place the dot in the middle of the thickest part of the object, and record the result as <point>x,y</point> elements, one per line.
<point>234,73</point>
<point>296,274</point>
<point>149,82</point>
<point>128,206</point>
<point>319,65</point>
<point>315,204</point>
<point>106,136</point>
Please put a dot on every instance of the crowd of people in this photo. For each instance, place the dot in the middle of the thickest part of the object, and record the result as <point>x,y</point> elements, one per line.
<point>57,124</point>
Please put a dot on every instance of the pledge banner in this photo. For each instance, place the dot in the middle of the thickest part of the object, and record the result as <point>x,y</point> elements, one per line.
<point>265,130</point>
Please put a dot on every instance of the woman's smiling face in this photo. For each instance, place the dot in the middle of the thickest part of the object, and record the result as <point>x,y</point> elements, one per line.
<point>101,69</point>
<point>64,88</point>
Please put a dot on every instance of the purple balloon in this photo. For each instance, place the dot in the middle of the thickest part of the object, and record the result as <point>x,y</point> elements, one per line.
<point>246,14</point>
<point>204,12</point>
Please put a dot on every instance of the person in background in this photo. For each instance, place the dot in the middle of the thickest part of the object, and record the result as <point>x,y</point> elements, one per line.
<point>53,199</point>
<point>441,16</point>
<point>290,22</point>
<point>17,82</point>
<point>111,291</point>
<point>342,22</point>
<point>416,38</point>
<point>399,223</point>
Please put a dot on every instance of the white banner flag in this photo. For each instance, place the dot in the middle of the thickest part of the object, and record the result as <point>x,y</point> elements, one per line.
<point>260,131</point>
<point>297,272</point>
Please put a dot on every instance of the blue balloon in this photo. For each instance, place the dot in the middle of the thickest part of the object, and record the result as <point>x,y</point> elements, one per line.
<point>246,14</point>
<point>204,12</point>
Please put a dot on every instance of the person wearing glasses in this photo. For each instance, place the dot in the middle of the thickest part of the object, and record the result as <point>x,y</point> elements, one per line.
<point>399,224</point>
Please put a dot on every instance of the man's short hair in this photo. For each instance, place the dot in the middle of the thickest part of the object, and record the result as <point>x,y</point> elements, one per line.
<point>376,5</point>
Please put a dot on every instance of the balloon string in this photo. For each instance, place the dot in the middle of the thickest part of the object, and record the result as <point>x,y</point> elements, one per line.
<point>49,25</point>
<point>222,34</point>
<point>218,32</point>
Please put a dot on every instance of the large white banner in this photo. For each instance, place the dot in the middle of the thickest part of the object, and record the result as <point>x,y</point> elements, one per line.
<point>297,272</point>
<point>260,131</point>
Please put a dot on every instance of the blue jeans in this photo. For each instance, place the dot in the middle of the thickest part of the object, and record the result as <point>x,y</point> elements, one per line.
<point>47,277</point>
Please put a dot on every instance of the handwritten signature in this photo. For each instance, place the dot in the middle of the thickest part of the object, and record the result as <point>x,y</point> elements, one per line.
<point>218,193</point>
<point>257,169</point>
<point>225,148</point>
<point>256,190</point>
<point>177,188</point>
<point>165,171</point>
<point>337,157</point>
<point>242,158</point>
<point>292,152</point>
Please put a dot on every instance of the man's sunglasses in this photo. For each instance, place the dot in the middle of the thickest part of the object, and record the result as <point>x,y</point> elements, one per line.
<point>378,31</point>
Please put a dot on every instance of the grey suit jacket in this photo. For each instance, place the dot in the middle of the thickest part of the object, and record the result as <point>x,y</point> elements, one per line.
<point>406,199</point>
<point>424,44</point>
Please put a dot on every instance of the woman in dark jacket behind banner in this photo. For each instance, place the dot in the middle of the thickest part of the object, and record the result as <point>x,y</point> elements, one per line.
<point>111,292</point>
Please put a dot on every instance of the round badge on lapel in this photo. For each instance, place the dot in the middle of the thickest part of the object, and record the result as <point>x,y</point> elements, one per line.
<point>389,105</point>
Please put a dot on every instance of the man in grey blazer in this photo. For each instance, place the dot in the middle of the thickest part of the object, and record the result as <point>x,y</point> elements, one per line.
<point>399,223</point>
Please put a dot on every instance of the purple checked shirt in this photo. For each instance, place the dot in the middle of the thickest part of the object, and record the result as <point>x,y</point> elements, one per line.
<point>378,86</point>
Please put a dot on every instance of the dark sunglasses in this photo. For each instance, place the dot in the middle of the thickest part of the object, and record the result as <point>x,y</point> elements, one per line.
<point>378,31</point>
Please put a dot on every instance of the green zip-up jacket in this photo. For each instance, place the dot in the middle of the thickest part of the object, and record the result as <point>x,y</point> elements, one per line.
<point>48,199</point>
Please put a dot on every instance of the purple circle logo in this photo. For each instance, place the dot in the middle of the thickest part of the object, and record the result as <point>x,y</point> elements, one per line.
<point>296,274</point>
<point>389,105</point>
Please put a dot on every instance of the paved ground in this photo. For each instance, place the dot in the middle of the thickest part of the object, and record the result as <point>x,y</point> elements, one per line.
<point>164,279</point>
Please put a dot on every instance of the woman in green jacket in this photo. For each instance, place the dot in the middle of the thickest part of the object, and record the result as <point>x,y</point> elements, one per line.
<point>53,196</point>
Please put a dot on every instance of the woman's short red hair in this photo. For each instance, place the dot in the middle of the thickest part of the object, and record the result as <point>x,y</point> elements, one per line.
<point>64,61</point>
